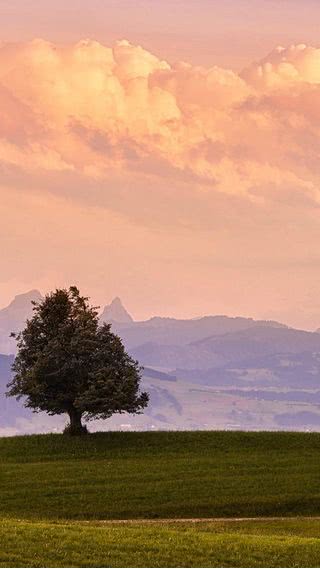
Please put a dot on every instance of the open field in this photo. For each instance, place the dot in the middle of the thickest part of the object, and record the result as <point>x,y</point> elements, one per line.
<point>165,475</point>
<point>211,544</point>
<point>59,496</point>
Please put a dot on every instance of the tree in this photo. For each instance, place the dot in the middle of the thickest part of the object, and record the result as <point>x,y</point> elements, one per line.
<point>67,363</point>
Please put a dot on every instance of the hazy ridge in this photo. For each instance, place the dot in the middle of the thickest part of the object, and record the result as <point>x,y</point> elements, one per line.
<point>210,372</point>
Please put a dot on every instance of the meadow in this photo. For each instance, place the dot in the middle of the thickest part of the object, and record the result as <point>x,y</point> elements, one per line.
<point>58,493</point>
<point>211,544</point>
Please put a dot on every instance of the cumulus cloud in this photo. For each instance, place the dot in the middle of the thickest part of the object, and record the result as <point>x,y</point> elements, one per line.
<point>295,64</point>
<point>118,121</point>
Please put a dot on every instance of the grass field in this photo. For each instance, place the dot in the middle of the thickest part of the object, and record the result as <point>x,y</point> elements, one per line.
<point>55,489</point>
<point>166,475</point>
<point>231,544</point>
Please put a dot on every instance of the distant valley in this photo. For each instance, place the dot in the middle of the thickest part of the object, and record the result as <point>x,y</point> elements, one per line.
<point>211,372</point>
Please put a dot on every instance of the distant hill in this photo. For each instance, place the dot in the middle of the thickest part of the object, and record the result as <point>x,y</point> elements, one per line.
<point>299,370</point>
<point>222,398</point>
<point>5,368</point>
<point>155,374</point>
<point>172,331</point>
<point>224,349</point>
<point>13,318</point>
<point>10,409</point>
<point>169,356</point>
<point>209,372</point>
<point>259,341</point>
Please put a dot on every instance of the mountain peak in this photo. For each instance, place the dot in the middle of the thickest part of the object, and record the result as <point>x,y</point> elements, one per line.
<point>116,312</point>
<point>21,300</point>
<point>13,318</point>
<point>117,302</point>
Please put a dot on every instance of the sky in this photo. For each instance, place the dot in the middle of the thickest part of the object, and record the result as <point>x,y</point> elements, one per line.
<point>164,152</point>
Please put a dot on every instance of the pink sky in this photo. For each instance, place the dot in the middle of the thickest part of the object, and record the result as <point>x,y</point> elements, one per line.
<point>229,33</point>
<point>176,168</point>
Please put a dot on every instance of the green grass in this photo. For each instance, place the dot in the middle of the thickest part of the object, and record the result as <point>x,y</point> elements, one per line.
<point>166,475</point>
<point>232,544</point>
<point>55,489</point>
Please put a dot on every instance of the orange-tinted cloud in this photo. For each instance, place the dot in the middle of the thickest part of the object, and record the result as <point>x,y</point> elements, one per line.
<point>105,113</point>
<point>197,176</point>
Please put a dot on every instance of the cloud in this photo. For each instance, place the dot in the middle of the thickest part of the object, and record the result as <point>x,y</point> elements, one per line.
<point>183,189</point>
<point>295,64</point>
<point>110,125</point>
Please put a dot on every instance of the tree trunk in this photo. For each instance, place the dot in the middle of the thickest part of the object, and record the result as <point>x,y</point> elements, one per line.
<point>75,426</point>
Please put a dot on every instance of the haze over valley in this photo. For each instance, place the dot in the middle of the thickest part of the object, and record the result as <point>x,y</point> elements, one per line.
<point>213,372</point>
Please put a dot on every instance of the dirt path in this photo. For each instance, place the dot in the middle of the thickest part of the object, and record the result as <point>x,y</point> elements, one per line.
<point>198,520</point>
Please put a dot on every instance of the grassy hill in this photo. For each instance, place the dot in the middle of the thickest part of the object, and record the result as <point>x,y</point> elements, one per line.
<point>215,544</point>
<point>149,475</point>
<point>62,491</point>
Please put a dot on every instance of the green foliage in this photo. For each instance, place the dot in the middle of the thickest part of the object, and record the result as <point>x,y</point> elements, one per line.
<point>160,475</point>
<point>67,363</point>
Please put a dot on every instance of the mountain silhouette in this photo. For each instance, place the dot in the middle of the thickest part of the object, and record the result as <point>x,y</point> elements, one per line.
<point>116,312</point>
<point>13,318</point>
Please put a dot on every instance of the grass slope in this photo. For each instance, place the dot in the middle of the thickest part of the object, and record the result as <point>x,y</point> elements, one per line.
<point>232,544</point>
<point>166,475</point>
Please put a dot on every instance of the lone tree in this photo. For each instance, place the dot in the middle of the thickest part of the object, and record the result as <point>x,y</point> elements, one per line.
<point>68,363</point>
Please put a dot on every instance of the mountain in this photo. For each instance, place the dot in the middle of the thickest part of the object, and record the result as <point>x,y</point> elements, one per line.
<point>182,403</point>
<point>10,409</point>
<point>299,370</point>
<point>245,349</point>
<point>115,312</point>
<point>170,356</point>
<point>13,318</point>
<point>5,367</point>
<point>158,330</point>
<point>259,341</point>
<point>173,331</point>
<point>210,372</point>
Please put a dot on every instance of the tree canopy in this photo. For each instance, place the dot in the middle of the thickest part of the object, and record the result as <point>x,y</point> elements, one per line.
<point>68,363</point>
